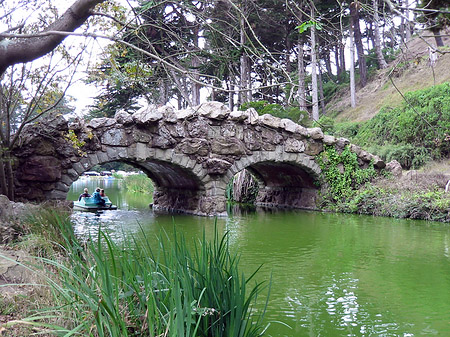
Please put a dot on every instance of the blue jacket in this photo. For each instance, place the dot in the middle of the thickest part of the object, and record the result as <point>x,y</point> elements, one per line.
<point>97,198</point>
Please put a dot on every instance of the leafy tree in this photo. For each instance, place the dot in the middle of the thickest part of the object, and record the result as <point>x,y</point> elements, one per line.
<point>27,91</point>
<point>436,17</point>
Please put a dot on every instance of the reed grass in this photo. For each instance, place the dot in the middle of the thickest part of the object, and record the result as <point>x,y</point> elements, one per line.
<point>135,289</point>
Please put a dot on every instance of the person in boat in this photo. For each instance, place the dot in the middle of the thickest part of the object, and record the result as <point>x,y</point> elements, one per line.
<point>102,193</point>
<point>98,198</point>
<point>85,194</point>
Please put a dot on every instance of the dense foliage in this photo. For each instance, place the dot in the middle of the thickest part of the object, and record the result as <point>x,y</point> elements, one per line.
<point>412,133</point>
<point>138,183</point>
<point>342,174</point>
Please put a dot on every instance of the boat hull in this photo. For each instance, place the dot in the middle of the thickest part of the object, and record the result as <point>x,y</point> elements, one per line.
<point>88,204</point>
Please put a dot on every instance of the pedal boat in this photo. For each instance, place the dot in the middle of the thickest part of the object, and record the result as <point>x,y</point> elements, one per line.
<point>90,205</point>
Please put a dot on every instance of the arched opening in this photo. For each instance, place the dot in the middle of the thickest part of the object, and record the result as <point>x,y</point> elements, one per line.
<point>285,184</point>
<point>274,184</point>
<point>173,188</point>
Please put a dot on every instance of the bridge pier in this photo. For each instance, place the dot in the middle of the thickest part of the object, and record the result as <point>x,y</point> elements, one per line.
<point>289,197</point>
<point>210,201</point>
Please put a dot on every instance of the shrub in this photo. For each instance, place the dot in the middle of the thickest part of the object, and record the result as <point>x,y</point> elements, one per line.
<point>419,127</point>
<point>138,183</point>
<point>342,173</point>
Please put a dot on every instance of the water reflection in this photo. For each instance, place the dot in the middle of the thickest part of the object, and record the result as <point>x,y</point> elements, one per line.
<point>332,275</point>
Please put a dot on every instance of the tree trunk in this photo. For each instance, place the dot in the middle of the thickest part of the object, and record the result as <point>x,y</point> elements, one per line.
<point>342,56</point>
<point>377,40</point>
<point>352,70</point>
<point>10,178</point>
<point>322,97</point>
<point>315,100</point>
<point>408,22</point>
<point>336,60</point>
<point>244,93</point>
<point>3,183</point>
<point>359,45</point>
<point>327,59</point>
<point>303,105</point>
<point>195,64</point>
<point>438,38</point>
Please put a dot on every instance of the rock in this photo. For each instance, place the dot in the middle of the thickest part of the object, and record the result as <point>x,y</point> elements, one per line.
<point>213,110</point>
<point>252,140</point>
<point>227,146</point>
<point>123,117</point>
<point>186,113</point>
<point>289,125</point>
<point>168,113</point>
<point>378,162</point>
<point>197,128</point>
<point>115,137</point>
<point>5,208</point>
<point>315,133</point>
<point>313,148</point>
<point>239,116</point>
<point>216,166</point>
<point>342,142</point>
<point>101,122</point>
<point>294,145</point>
<point>198,146</point>
<point>76,125</point>
<point>395,168</point>
<point>270,121</point>
<point>147,115</point>
<point>329,140</point>
<point>40,168</point>
<point>253,116</point>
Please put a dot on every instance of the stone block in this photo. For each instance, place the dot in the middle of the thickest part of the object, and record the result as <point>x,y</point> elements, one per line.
<point>115,137</point>
<point>93,159</point>
<point>141,153</point>
<point>112,153</point>
<point>102,157</point>
<point>329,140</point>
<point>294,145</point>
<point>213,110</point>
<point>73,174</point>
<point>289,125</point>
<point>270,121</point>
<point>62,187</point>
<point>315,133</point>
<point>67,180</point>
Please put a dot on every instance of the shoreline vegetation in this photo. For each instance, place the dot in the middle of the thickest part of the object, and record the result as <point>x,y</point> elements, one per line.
<point>98,287</point>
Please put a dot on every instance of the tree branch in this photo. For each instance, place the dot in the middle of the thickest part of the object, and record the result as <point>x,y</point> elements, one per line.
<point>21,51</point>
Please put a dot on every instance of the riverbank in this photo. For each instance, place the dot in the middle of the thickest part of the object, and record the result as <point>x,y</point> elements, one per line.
<point>411,194</point>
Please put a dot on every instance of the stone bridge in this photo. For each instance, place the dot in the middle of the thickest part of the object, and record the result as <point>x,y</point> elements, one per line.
<point>190,155</point>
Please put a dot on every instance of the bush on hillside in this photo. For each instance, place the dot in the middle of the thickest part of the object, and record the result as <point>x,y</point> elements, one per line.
<point>420,127</point>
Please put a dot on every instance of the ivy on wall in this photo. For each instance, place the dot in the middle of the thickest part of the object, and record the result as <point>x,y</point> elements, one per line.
<point>342,174</point>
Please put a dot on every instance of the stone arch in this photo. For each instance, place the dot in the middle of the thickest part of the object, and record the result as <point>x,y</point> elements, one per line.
<point>285,179</point>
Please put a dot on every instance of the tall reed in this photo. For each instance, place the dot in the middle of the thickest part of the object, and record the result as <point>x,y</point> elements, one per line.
<point>135,289</point>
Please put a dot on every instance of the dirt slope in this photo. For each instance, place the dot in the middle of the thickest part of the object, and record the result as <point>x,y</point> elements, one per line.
<point>410,71</point>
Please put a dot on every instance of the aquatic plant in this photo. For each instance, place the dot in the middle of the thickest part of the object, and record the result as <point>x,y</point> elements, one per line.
<point>135,289</point>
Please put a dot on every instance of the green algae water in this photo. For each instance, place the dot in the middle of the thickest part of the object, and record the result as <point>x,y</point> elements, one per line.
<point>331,274</point>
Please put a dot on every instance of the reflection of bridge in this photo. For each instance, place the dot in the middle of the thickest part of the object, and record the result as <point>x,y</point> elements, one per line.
<point>190,154</point>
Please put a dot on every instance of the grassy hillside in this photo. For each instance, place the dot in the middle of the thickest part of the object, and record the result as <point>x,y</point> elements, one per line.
<point>409,72</point>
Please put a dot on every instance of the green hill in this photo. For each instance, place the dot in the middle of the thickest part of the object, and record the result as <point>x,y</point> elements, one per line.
<point>409,72</point>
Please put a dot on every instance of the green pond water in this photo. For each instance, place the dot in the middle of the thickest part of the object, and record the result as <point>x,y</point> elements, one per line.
<point>332,274</point>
